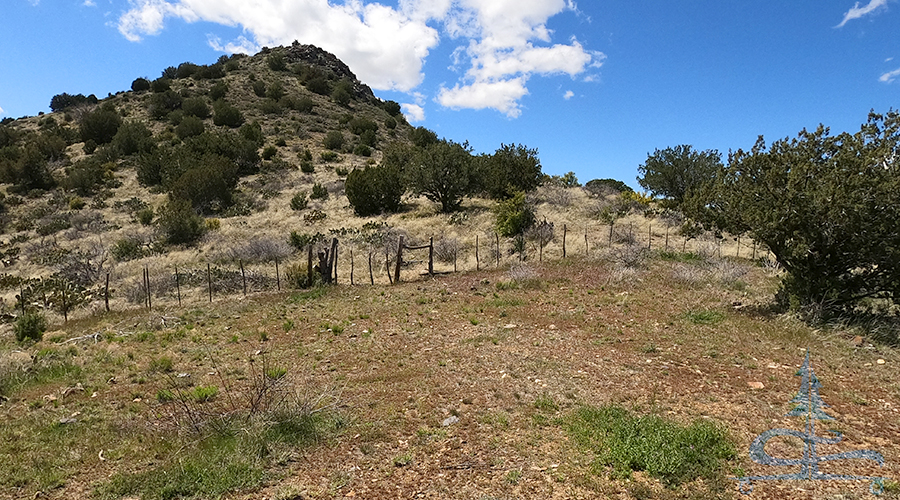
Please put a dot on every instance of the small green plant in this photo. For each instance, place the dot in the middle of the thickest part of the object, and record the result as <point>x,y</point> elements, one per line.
<point>31,326</point>
<point>276,372</point>
<point>306,166</point>
<point>162,364</point>
<point>299,201</point>
<point>204,394</point>
<point>664,449</point>
<point>513,476</point>
<point>545,403</point>
<point>329,156</point>
<point>288,325</point>
<point>403,460</point>
<point>319,192</point>
<point>165,396</point>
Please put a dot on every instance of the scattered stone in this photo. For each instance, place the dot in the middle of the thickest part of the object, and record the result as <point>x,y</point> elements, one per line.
<point>755,385</point>
<point>857,341</point>
<point>509,326</point>
<point>880,361</point>
<point>452,419</point>
<point>551,327</point>
<point>67,421</point>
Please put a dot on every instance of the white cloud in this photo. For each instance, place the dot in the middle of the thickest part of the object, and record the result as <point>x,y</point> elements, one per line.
<point>502,95</point>
<point>857,12</point>
<point>504,42</point>
<point>413,112</point>
<point>568,95</point>
<point>890,76</point>
<point>1,110</point>
<point>89,3</point>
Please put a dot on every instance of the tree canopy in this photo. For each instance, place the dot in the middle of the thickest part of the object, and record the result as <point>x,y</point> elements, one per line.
<point>826,206</point>
<point>674,172</point>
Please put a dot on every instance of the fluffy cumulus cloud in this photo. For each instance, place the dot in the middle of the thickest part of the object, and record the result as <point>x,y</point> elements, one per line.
<point>890,76</point>
<point>568,95</point>
<point>501,43</point>
<point>857,12</point>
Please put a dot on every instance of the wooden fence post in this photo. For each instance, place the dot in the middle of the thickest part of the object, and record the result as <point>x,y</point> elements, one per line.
<point>611,224</point>
<point>497,248</point>
<point>351,266</point>
<point>371,276</point>
<point>586,248</point>
<point>106,293</point>
<point>737,252</point>
<point>477,266</point>
<point>399,259</point>
<point>431,256</point>
<point>309,267</point>
<point>277,275</point>
<point>177,285</point>
<point>667,238</point>
<point>333,263</point>
<point>387,264</point>
<point>209,282</point>
<point>243,276</point>
<point>564,241</point>
<point>149,293</point>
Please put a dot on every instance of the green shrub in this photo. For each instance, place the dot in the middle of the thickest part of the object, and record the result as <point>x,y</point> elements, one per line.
<point>140,85</point>
<point>180,224</point>
<point>362,150</point>
<point>195,106</point>
<point>333,140</point>
<point>390,123</point>
<point>319,192</point>
<point>128,248</point>
<point>145,216</point>
<point>374,190</point>
<point>100,125</point>
<point>304,104</point>
<point>329,156</point>
<point>514,216</point>
<point>276,61</point>
<point>269,152</point>
<point>163,103</point>
<point>218,91</point>
<point>301,240</point>
<point>30,326</point>
<point>190,126</point>
<point>275,91</point>
<point>299,201</point>
<point>307,167</point>
<point>227,115</point>
<point>132,138</point>
<point>270,107</point>
<point>318,85</point>
<point>259,88</point>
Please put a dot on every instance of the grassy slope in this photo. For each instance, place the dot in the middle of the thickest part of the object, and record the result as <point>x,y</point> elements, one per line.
<point>509,352</point>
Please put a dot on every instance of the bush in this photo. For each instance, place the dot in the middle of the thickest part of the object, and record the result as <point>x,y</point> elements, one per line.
<point>180,224</point>
<point>514,216</point>
<point>128,248</point>
<point>269,152</point>
<point>131,138</point>
<point>299,201</point>
<point>218,91</point>
<point>140,85</point>
<point>190,126</point>
<point>304,104</point>
<point>195,106</point>
<point>318,192</point>
<point>160,85</point>
<point>374,190</point>
<point>163,103</point>
<point>276,61</point>
<point>30,326</point>
<point>307,167</point>
<point>259,88</point>
<point>100,125</point>
<point>333,140</point>
<point>227,115</point>
<point>362,150</point>
<point>63,101</point>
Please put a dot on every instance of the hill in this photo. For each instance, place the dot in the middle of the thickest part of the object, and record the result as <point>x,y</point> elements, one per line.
<point>600,353</point>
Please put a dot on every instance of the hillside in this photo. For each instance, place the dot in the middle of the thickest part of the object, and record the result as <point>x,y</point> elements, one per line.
<point>599,354</point>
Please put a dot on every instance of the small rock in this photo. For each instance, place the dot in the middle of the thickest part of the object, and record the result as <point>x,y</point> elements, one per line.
<point>452,419</point>
<point>857,341</point>
<point>755,385</point>
<point>551,327</point>
<point>880,361</point>
<point>66,421</point>
<point>509,326</point>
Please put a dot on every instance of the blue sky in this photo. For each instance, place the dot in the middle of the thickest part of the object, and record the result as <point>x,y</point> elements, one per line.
<point>594,85</point>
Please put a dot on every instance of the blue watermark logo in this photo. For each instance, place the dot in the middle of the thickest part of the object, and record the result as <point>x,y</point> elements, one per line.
<point>809,405</point>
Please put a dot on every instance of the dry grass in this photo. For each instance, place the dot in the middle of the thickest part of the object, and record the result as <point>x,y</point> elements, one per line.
<point>508,353</point>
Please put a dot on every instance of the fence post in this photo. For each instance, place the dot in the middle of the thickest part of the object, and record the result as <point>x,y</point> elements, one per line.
<point>455,251</point>
<point>106,293</point>
<point>351,266</point>
<point>149,294</point>
<point>309,268</point>
<point>754,250</point>
<point>177,285</point>
<point>371,276</point>
<point>667,238</point>
<point>22,298</point>
<point>586,249</point>
<point>476,254</point>
<point>209,281</point>
<point>277,275</point>
<point>611,224</point>
<point>649,236</point>
<point>497,236</point>
<point>332,269</point>
<point>737,252</point>
<point>564,241</point>
<point>387,264</point>
<point>243,276</point>
<point>431,256</point>
<point>399,259</point>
